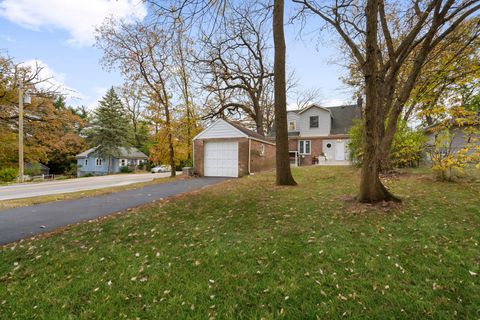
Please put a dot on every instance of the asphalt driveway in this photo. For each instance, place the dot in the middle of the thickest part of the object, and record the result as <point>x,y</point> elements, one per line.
<point>23,222</point>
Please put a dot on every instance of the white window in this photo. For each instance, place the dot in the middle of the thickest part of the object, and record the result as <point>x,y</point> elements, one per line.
<point>291,126</point>
<point>123,162</point>
<point>98,162</point>
<point>304,146</point>
<point>86,162</point>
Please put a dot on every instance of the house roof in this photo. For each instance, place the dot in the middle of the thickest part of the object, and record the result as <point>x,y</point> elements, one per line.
<point>41,165</point>
<point>343,117</point>
<point>241,130</point>
<point>128,153</point>
<point>312,106</point>
<point>248,132</point>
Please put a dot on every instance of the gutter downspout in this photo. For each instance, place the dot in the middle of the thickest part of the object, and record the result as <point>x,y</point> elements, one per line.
<point>249,154</point>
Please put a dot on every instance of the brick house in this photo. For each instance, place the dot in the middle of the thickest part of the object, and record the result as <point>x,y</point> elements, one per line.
<point>317,134</point>
<point>226,149</point>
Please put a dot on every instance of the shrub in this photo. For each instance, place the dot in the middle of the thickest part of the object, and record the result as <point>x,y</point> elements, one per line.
<point>449,157</point>
<point>8,174</point>
<point>407,146</point>
<point>125,170</point>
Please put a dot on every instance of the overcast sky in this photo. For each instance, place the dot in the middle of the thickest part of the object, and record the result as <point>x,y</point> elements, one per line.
<point>59,34</point>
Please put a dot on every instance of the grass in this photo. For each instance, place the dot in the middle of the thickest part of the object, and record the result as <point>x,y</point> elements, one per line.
<point>22,202</point>
<point>248,249</point>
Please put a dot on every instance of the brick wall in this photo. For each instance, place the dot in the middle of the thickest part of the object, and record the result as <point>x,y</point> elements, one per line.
<point>242,157</point>
<point>259,162</point>
<point>316,147</point>
<point>198,157</point>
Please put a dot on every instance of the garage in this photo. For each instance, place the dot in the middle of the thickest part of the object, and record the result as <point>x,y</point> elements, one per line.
<point>221,159</point>
<point>227,149</point>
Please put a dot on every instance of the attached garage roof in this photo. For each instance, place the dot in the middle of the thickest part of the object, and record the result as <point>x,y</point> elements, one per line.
<point>227,129</point>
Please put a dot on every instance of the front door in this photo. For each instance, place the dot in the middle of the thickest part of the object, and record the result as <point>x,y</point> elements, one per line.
<point>340,150</point>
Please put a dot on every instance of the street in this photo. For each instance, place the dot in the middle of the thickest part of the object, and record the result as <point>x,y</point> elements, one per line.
<point>27,190</point>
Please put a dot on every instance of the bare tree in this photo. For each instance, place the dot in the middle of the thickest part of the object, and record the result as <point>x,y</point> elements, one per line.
<point>390,42</point>
<point>197,11</point>
<point>236,64</point>
<point>142,50</point>
<point>304,98</point>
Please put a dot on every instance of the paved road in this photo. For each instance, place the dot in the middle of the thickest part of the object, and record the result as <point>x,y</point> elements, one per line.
<point>19,223</point>
<point>27,190</point>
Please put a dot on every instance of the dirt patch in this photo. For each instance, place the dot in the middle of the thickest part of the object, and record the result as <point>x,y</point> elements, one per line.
<point>351,205</point>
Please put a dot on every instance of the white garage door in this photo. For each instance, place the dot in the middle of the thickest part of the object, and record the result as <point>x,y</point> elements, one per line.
<point>221,159</point>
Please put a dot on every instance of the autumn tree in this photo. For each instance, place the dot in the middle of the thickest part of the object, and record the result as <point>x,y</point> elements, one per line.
<point>183,59</point>
<point>51,129</point>
<point>111,127</point>
<point>142,51</point>
<point>390,42</point>
<point>133,97</point>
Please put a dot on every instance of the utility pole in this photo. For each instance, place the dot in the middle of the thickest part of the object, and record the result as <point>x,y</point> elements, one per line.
<point>20,131</point>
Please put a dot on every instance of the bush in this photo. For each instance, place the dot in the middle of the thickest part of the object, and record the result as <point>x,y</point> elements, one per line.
<point>407,147</point>
<point>8,174</point>
<point>125,170</point>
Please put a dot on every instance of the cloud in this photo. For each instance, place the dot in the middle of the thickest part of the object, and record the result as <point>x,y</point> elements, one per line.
<point>77,17</point>
<point>52,80</point>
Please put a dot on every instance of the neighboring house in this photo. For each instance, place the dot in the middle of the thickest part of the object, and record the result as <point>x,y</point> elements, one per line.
<point>90,163</point>
<point>226,149</point>
<point>318,134</point>
<point>458,139</point>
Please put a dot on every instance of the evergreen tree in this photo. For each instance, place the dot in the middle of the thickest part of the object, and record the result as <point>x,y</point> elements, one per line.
<point>111,127</point>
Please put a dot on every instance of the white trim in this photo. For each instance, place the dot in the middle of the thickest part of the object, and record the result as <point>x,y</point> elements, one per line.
<point>263,141</point>
<point>310,147</point>
<point>96,162</point>
<point>213,124</point>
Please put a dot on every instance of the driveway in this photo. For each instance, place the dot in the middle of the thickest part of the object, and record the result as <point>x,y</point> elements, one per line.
<point>27,190</point>
<point>23,222</point>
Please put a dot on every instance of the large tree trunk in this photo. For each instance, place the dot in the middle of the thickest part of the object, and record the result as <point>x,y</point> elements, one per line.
<point>259,119</point>
<point>284,174</point>
<point>371,188</point>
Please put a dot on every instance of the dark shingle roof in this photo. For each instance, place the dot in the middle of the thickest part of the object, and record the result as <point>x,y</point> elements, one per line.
<point>342,118</point>
<point>128,153</point>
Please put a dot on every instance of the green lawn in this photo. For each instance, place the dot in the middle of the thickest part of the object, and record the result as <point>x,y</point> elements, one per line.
<point>248,249</point>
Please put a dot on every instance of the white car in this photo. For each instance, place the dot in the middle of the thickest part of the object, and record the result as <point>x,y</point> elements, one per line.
<point>161,168</point>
